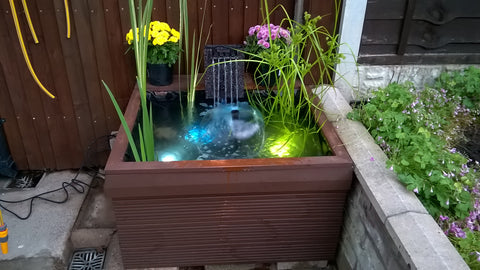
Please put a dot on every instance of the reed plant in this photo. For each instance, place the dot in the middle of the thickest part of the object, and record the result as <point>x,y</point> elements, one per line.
<point>307,59</point>
<point>193,56</point>
<point>140,22</point>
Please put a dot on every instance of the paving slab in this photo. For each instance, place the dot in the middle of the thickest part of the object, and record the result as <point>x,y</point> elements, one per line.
<point>42,239</point>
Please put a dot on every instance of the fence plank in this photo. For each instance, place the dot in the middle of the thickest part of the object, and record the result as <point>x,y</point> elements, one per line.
<point>10,58</point>
<point>75,77</point>
<point>220,25</point>
<point>251,15</point>
<point>11,128</point>
<point>59,140</point>
<point>87,55</point>
<point>121,62</point>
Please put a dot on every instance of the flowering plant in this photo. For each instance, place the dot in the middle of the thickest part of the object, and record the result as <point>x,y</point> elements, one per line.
<point>259,38</point>
<point>163,47</point>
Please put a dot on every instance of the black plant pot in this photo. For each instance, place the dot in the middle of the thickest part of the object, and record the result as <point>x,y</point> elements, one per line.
<point>159,74</point>
<point>261,74</point>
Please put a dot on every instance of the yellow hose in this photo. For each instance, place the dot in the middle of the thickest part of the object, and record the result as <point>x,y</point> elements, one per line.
<point>30,25</point>
<point>24,51</point>
<point>67,15</point>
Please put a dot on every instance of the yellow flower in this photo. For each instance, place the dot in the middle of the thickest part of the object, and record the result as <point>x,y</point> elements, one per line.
<point>129,37</point>
<point>173,39</point>
<point>164,34</point>
<point>164,26</point>
<point>175,33</point>
<point>159,40</point>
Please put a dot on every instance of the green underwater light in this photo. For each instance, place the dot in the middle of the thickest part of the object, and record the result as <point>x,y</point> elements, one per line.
<point>281,147</point>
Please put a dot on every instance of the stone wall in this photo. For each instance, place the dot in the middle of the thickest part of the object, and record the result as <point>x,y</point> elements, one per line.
<point>386,226</point>
<point>365,242</point>
<point>362,79</point>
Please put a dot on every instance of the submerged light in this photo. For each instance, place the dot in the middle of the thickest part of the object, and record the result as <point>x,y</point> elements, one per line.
<point>281,147</point>
<point>168,157</point>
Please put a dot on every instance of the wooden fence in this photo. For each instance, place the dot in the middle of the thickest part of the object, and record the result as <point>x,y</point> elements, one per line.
<point>55,133</point>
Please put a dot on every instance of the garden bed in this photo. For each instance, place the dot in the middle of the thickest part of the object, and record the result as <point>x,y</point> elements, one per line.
<point>385,226</point>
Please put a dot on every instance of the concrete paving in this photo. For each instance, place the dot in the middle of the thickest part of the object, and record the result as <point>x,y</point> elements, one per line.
<point>43,240</point>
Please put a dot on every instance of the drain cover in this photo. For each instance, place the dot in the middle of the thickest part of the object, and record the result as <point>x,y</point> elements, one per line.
<point>87,259</point>
<point>26,179</point>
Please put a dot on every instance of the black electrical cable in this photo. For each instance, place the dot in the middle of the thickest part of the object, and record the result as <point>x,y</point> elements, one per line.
<point>78,185</point>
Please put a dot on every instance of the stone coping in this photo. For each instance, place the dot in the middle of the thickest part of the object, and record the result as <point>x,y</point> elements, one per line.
<point>416,234</point>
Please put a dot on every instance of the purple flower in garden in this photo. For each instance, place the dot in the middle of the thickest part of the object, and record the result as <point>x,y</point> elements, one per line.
<point>415,190</point>
<point>443,218</point>
<point>457,231</point>
<point>252,30</point>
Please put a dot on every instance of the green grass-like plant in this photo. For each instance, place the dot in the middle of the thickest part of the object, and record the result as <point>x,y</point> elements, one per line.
<point>193,56</point>
<point>140,44</point>
<point>308,59</point>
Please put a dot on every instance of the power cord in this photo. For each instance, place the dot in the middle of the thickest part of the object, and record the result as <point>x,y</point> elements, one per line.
<point>78,185</point>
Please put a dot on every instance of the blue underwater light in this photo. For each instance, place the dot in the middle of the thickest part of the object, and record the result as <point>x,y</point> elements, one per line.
<point>198,135</point>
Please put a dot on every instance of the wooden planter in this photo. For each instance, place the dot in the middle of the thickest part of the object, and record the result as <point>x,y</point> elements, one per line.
<point>204,212</point>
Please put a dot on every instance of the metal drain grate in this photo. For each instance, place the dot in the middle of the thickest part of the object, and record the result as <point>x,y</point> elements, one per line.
<point>26,179</point>
<point>87,259</point>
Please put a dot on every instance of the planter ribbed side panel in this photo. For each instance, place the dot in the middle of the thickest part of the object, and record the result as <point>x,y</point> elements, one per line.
<point>229,229</point>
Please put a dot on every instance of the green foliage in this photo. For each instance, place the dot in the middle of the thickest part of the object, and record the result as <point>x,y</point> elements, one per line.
<point>465,84</point>
<point>414,129</point>
<point>469,248</point>
<point>300,61</point>
<point>165,54</point>
<point>193,55</point>
<point>140,44</point>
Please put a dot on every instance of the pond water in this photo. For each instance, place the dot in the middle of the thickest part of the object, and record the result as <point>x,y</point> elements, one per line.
<point>225,131</point>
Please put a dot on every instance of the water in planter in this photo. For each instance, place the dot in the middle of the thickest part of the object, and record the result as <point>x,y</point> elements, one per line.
<point>226,126</point>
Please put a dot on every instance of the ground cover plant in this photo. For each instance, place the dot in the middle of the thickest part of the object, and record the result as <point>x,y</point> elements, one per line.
<point>419,131</point>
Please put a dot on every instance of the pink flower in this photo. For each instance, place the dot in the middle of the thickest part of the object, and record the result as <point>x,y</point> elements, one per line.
<point>252,30</point>
<point>263,43</point>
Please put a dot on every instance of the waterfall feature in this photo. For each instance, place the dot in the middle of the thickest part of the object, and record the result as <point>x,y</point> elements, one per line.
<point>224,75</point>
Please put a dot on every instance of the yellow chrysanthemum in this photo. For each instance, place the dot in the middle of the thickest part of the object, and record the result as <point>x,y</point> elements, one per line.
<point>164,26</point>
<point>175,33</point>
<point>173,39</point>
<point>159,40</point>
<point>164,34</point>
<point>129,37</point>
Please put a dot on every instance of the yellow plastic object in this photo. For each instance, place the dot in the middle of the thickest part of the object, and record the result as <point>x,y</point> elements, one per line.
<point>3,235</point>
<point>30,25</point>
<point>4,239</point>
<point>67,16</point>
<point>24,51</point>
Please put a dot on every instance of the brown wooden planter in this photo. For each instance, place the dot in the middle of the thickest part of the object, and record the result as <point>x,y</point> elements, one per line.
<point>203,212</point>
